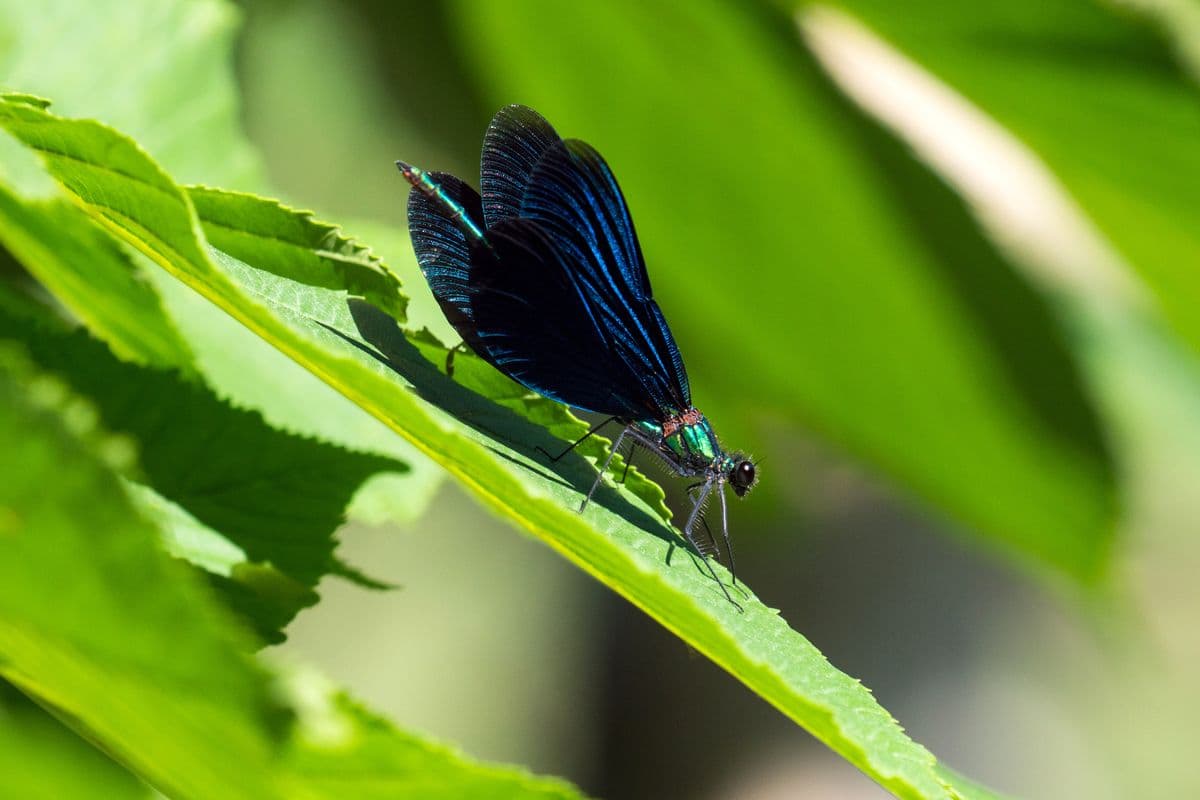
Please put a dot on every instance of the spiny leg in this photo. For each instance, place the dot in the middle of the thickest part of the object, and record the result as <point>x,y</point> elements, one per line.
<point>604,468</point>
<point>652,446</point>
<point>712,540</point>
<point>687,533</point>
<point>728,544</point>
<point>725,531</point>
<point>706,489</point>
<point>629,431</point>
<point>628,460</point>
<point>579,441</point>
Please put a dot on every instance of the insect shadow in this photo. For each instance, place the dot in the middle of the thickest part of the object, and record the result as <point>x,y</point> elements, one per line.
<point>383,340</point>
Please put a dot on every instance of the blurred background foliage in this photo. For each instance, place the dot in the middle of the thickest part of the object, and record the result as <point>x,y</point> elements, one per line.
<point>966,352</point>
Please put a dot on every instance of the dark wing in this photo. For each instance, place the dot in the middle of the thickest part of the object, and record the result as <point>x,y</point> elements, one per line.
<point>441,246</point>
<point>515,303</point>
<point>538,326</point>
<point>558,297</point>
<point>514,143</point>
<point>575,200</point>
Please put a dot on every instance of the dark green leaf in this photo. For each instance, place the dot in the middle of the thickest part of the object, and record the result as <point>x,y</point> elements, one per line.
<point>278,498</point>
<point>404,767</point>
<point>1100,98</point>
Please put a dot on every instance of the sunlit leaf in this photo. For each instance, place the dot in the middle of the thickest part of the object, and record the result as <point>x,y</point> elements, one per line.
<point>292,245</point>
<point>162,70</point>
<point>365,355</point>
<point>41,760</point>
<point>92,277</point>
<point>205,722</point>
<point>234,494</point>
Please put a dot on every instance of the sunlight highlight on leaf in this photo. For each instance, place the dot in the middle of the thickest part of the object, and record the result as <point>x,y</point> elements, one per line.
<point>364,354</point>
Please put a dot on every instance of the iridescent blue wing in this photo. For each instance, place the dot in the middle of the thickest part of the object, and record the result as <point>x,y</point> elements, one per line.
<point>572,195</point>
<point>514,143</point>
<point>514,301</point>
<point>442,248</point>
<point>557,295</point>
<point>538,325</point>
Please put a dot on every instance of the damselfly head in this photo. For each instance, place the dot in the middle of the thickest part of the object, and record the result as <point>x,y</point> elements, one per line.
<point>742,476</point>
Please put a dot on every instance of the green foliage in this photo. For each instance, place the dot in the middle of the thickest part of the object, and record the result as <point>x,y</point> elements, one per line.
<point>96,652</point>
<point>159,70</point>
<point>92,277</point>
<point>294,246</point>
<point>199,384</point>
<point>162,71</point>
<point>1019,60</point>
<point>769,203</point>
<point>275,498</point>
<point>205,722</point>
<point>404,767</point>
<point>42,760</point>
<point>366,356</point>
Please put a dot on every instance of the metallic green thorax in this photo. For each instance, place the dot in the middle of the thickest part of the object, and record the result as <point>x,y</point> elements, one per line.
<point>693,443</point>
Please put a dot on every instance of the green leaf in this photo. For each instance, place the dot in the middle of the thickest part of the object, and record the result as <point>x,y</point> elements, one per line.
<point>262,596</point>
<point>205,722</point>
<point>250,373</point>
<point>265,598</point>
<point>185,536</point>
<point>794,288</point>
<point>403,766</point>
<point>291,244</point>
<point>249,493</point>
<point>1017,61</point>
<point>65,250</point>
<point>966,788</point>
<point>96,652</point>
<point>361,352</point>
<point>294,245</point>
<point>164,68</point>
<point>159,69</point>
<point>42,760</point>
<point>92,277</point>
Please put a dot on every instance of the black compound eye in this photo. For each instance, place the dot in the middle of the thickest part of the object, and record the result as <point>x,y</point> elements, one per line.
<point>742,477</point>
